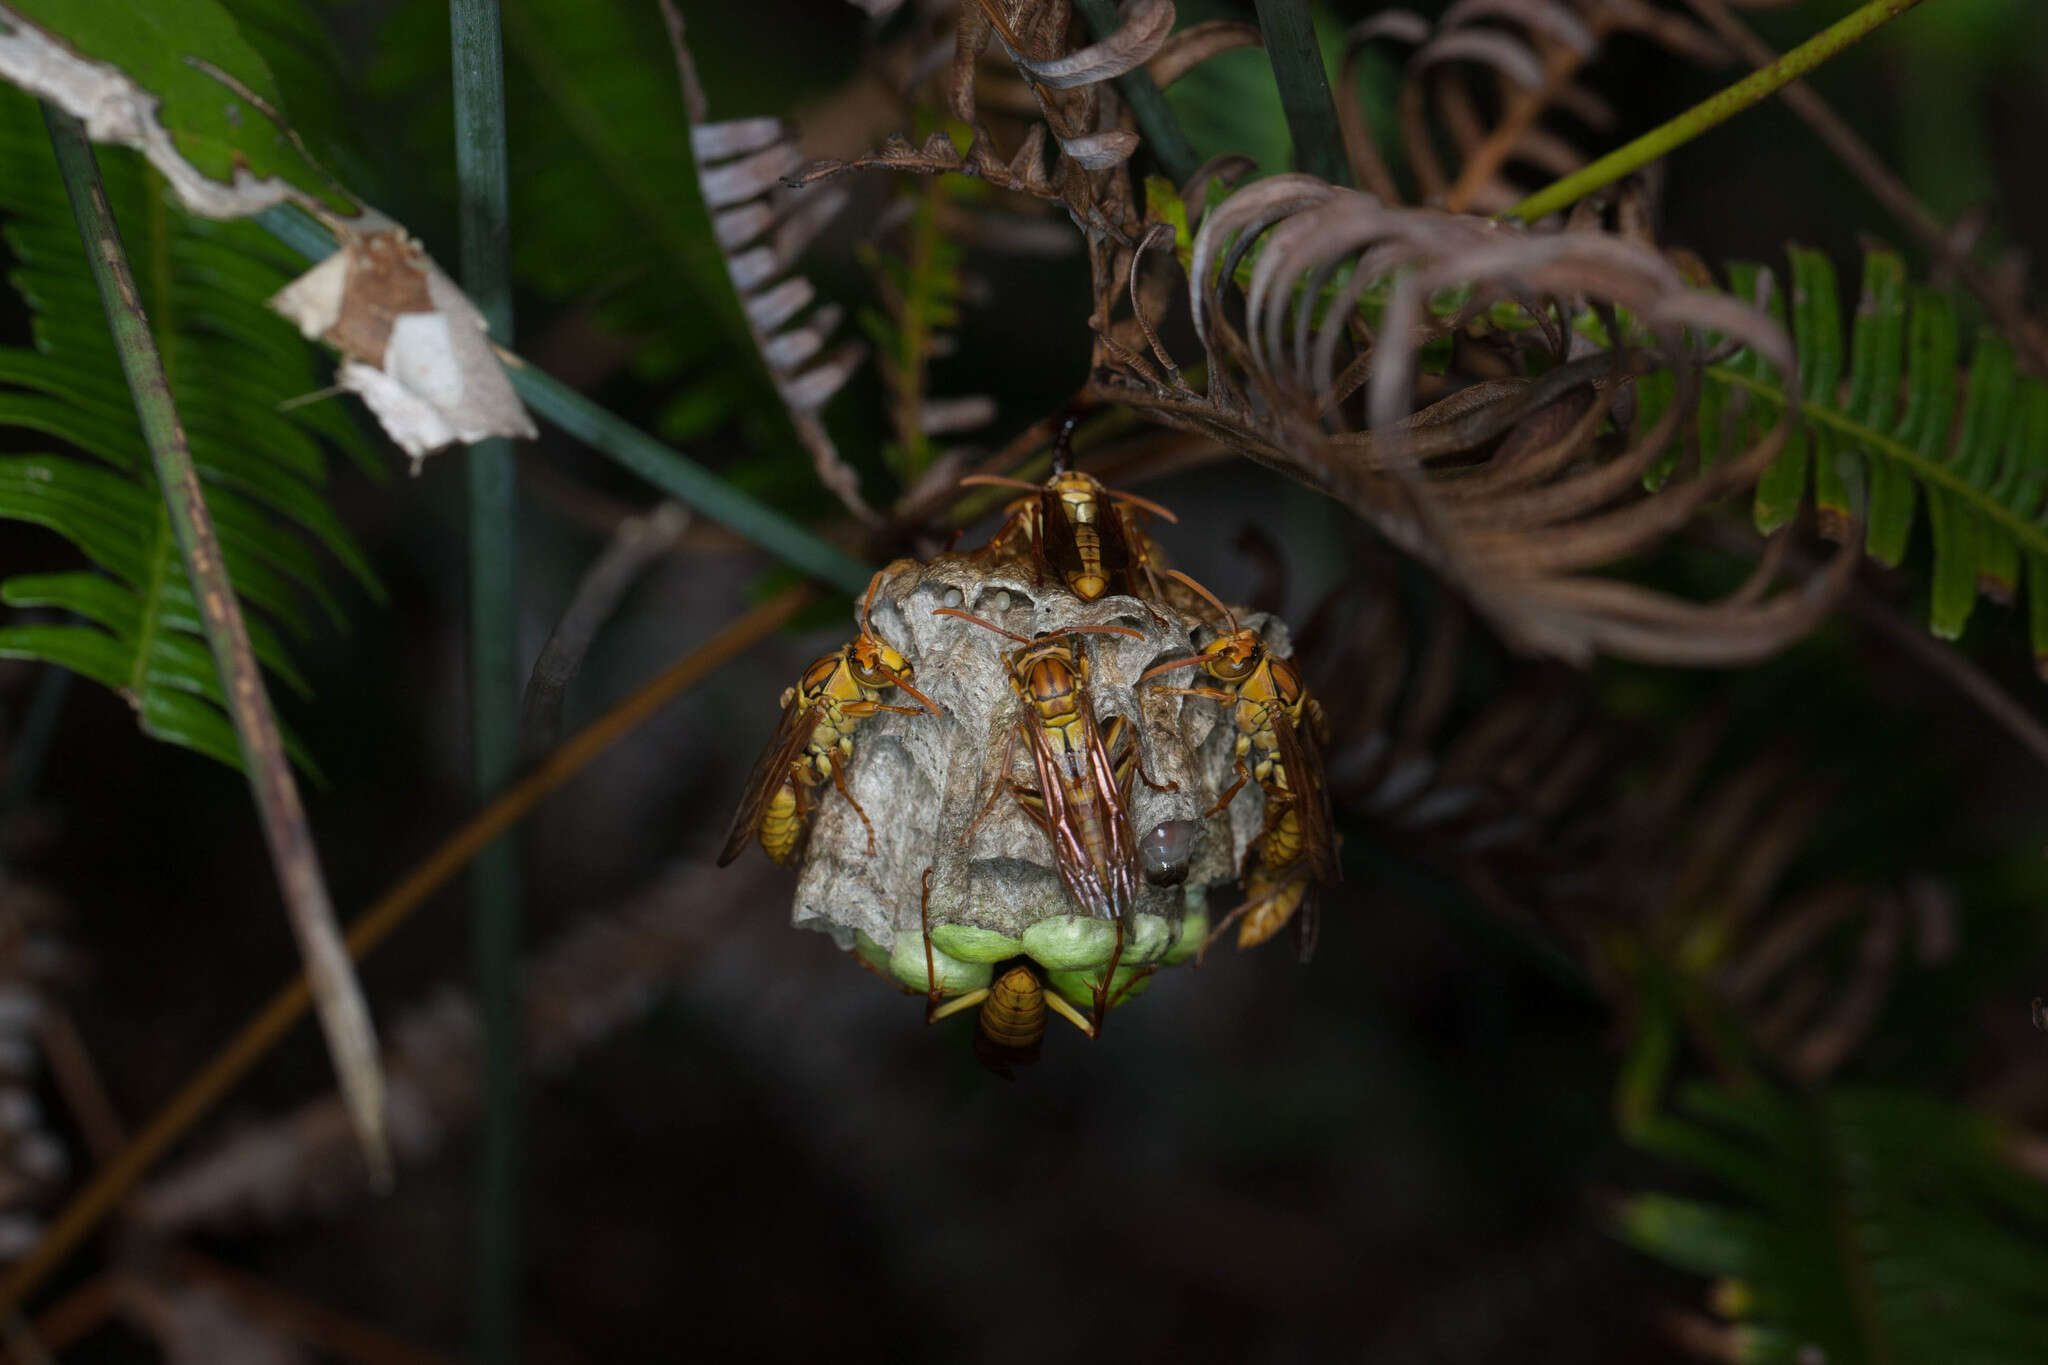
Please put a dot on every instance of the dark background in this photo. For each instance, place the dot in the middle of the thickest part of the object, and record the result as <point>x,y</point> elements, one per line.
<point>1401,1153</point>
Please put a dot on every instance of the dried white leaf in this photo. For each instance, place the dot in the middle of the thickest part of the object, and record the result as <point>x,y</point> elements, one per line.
<point>412,344</point>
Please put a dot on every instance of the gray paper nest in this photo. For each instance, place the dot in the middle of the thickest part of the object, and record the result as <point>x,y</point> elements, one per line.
<point>923,779</point>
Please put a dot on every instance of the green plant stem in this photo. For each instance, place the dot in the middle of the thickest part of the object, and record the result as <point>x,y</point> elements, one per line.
<point>1169,145</point>
<point>343,1013</point>
<point>1304,81</point>
<point>1752,89</point>
<point>477,48</point>
<point>666,468</point>
<point>687,481</point>
<point>31,740</point>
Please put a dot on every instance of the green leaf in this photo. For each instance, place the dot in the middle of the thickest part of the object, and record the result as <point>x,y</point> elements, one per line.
<point>214,93</point>
<point>1913,424</point>
<point>230,363</point>
<point>1871,1225</point>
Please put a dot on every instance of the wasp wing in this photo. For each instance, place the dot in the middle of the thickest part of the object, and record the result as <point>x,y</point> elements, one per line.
<point>1301,758</point>
<point>1082,811</point>
<point>1060,546</point>
<point>771,770</point>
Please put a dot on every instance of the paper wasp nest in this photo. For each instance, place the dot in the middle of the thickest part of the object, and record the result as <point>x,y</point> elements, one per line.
<point>924,779</point>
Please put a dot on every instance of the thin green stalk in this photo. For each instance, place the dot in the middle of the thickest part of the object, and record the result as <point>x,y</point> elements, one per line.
<point>343,1014</point>
<point>1304,81</point>
<point>33,736</point>
<point>477,47</point>
<point>1163,135</point>
<point>663,466</point>
<point>1752,89</point>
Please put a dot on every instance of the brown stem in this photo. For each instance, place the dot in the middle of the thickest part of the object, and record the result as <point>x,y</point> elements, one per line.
<point>344,1015</point>
<point>284,1009</point>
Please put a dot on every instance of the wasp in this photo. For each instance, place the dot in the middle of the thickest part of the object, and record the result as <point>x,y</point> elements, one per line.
<point>1280,729</point>
<point>1085,769</point>
<point>814,740</point>
<point>1011,1021</point>
<point>1078,528</point>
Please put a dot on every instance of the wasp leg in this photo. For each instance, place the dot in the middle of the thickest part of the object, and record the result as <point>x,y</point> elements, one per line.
<point>1101,987</point>
<point>1244,775</point>
<point>924,921</point>
<point>1067,1012</point>
<point>995,789</point>
<point>934,1013</point>
<point>1155,786</point>
<point>861,710</point>
<point>1228,920</point>
<point>839,781</point>
<point>1212,693</point>
<point>1136,977</point>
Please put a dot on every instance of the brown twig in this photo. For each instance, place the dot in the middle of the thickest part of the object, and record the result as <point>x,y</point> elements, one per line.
<point>634,547</point>
<point>260,1034</point>
<point>78,1080</point>
<point>344,1015</point>
<point>309,1323</point>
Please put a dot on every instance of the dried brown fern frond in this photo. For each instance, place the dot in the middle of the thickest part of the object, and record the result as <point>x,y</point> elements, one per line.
<point>1517,476</point>
<point>1483,78</point>
<point>1664,863</point>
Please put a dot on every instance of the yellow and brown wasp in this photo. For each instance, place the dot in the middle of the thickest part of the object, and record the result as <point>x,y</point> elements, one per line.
<point>1076,527</point>
<point>814,740</point>
<point>1085,768</point>
<point>1010,1023</point>
<point>1279,733</point>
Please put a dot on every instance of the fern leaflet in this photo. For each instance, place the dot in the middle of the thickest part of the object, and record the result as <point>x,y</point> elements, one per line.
<point>1876,1227</point>
<point>230,362</point>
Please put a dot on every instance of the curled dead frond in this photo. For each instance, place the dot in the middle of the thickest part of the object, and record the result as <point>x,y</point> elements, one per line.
<point>762,228</point>
<point>1657,860</point>
<point>1465,385</point>
<point>1482,79</point>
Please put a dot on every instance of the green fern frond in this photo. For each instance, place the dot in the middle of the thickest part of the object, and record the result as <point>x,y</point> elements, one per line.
<point>231,362</point>
<point>1896,421</point>
<point>1875,1227</point>
<point>920,283</point>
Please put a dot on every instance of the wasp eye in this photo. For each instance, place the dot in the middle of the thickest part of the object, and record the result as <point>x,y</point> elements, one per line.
<point>1165,852</point>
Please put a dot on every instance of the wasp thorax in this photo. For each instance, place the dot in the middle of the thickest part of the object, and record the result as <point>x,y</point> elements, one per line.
<point>958,792</point>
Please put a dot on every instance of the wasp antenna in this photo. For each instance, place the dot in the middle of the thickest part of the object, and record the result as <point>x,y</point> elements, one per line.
<point>1206,595</point>
<point>985,625</point>
<point>927,701</point>
<point>1146,504</point>
<point>867,603</point>
<point>1094,630</point>
<point>1168,667</point>
<point>997,481</point>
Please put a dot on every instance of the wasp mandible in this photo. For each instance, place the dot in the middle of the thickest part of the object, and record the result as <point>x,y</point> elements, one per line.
<point>814,740</point>
<point>1280,730</point>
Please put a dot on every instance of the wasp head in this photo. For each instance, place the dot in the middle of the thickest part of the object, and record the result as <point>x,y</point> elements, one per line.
<point>1233,657</point>
<point>875,664</point>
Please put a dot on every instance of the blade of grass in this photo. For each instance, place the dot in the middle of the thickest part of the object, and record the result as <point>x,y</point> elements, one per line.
<point>343,1013</point>
<point>234,1060</point>
<point>666,468</point>
<point>1304,83</point>
<point>1716,109</point>
<point>476,44</point>
<point>1163,135</point>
